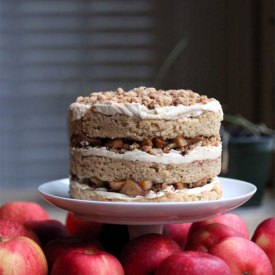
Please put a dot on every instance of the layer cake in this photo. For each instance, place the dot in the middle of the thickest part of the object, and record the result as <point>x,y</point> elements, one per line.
<point>145,145</point>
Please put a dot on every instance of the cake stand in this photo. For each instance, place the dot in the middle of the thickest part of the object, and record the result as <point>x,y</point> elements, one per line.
<point>147,217</point>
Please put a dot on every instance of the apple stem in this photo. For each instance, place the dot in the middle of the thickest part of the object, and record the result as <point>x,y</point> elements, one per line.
<point>246,273</point>
<point>1,239</point>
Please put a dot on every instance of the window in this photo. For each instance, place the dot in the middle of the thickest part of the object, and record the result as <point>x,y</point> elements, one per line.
<point>51,52</point>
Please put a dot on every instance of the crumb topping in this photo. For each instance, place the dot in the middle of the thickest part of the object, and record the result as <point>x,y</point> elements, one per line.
<point>149,97</point>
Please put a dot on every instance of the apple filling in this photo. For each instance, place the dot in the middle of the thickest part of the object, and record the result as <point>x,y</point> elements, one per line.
<point>151,146</point>
<point>132,188</point>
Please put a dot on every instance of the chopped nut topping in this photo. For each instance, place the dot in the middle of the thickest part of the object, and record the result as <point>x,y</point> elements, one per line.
<point>150,97</point>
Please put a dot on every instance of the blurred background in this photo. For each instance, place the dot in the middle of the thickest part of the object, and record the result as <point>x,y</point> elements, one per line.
<point>52,51</point>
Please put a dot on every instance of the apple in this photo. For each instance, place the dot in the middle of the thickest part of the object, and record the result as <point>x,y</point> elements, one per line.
<point>177,232</point>
<point>82,228</point>
<point>143,254</point>
<point>55,248</point>
<point>21,255</point>
<point>47,230</point>
<point>230,219</point>
<point>264,237</point>
<point>11,229</point>
<point>193,263</point>
<point>114,237</point>
<point>209,235</point>
<point>242,256</point>
<point>82,261</point>
<point>22,211</point>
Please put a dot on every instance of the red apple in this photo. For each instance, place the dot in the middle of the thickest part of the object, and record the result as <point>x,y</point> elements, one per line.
<point>209,235</point>
<point>22,211</point>
<point>233,220</point>
<point>55,248</point>
<point>177,232</point>
<point>193,263</point>
<point>82,228</point>
<point>242,256</point>
<point>23,256</point>
<point>12,229</point>
<point>264,237</point>
<point>82,261</point>
<point>47,230</point>
<point>143,254</point>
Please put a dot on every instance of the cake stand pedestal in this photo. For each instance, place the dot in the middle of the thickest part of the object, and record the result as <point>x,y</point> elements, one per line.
<point>139,230</point>
<point>147,217</point>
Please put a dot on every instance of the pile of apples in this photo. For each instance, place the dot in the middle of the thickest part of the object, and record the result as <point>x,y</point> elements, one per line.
<point>33,243</point>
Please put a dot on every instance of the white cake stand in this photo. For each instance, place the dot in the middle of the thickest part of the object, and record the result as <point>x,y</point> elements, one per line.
<point>147,217</point>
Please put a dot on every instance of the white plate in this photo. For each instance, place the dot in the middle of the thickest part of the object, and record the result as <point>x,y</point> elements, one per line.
<point>235,193</point>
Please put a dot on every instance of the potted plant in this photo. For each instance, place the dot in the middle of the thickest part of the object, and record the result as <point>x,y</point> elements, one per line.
<point>247,153</point>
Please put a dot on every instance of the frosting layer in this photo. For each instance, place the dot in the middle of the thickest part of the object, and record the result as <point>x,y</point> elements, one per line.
<point>141,111</point>
<point>173,157</point>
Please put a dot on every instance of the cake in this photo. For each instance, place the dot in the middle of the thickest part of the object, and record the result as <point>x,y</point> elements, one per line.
<point>145,145</point>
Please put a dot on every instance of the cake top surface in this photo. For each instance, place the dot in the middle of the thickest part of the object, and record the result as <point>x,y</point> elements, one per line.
<point>145,103</point>
<point>149,97</point>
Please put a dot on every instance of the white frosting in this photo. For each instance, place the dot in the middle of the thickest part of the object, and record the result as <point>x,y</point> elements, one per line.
<point>151,195</point>
<point>141,111</point>
<point>173,157</point>
<point>79,110</point>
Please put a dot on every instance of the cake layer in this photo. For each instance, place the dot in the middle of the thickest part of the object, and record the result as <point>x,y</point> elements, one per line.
<point>115,168</point>
<point>211,191</point>
<point>145,113</point>
<point>94,125</point>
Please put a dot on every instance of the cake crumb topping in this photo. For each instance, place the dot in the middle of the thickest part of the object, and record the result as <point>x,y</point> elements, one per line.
<point>149,97</point>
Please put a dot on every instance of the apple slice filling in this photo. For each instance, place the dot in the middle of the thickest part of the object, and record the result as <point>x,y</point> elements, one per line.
<point>152,146</point>
<point>132,188</point>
